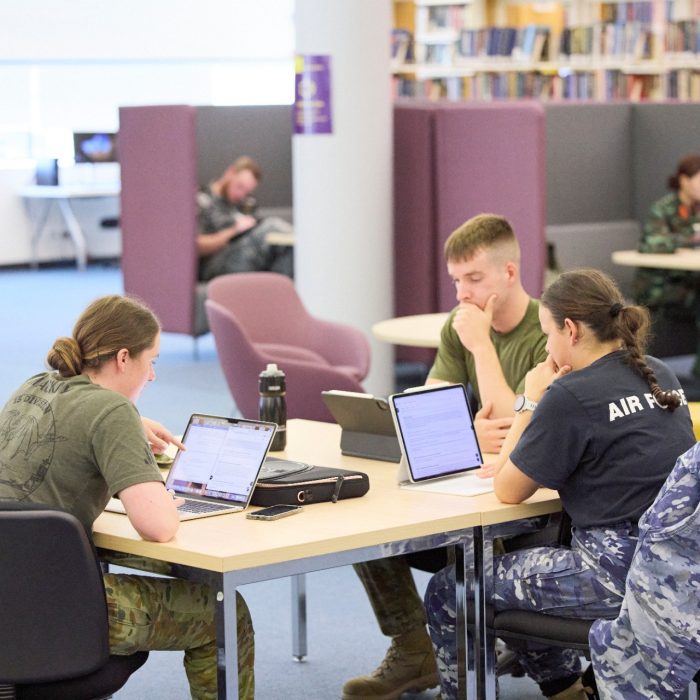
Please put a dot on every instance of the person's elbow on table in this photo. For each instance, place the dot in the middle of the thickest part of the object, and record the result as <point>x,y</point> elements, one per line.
<point>512,486</point>
<point>151,510</point>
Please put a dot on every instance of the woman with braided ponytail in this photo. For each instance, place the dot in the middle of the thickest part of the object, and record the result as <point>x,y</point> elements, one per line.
<point>603,424</point>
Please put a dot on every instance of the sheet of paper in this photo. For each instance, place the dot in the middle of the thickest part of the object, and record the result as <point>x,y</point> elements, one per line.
<point>458,486</point>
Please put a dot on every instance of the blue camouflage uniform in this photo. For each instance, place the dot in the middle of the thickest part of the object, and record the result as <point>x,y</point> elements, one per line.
<point>652,649</point>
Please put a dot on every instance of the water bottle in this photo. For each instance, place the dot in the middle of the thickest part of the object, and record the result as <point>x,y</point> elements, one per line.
<point>273,404</point>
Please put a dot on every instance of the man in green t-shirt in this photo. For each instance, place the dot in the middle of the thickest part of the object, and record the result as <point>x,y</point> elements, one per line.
<point>490,341</point>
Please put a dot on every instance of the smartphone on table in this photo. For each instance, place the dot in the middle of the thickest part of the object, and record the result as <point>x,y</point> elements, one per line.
<point>274,512</point>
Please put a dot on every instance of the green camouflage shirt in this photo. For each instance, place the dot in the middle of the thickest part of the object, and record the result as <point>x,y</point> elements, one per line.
<point>670,226</point>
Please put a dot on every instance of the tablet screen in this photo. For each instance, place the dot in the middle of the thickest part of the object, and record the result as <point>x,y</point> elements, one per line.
<point>436,431</point>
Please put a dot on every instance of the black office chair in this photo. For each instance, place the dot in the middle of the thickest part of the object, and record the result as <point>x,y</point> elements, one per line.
<point>54,640</point>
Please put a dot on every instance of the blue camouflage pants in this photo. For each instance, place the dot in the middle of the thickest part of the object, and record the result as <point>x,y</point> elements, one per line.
<point>586,581</point>
<point>652,649</point>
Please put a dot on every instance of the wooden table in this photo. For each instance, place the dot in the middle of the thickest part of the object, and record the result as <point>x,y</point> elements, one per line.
<point>422,330</point>
<point>228,550</point>
<point>682,259</point>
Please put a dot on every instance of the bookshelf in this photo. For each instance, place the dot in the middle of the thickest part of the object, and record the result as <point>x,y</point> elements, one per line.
<point>561,49</point>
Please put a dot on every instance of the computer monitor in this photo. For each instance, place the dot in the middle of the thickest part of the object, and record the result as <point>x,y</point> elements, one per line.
<point>95,147</point>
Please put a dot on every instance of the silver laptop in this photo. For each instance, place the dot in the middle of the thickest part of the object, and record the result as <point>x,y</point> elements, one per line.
<point>219,469</point>
<point>439,448</point>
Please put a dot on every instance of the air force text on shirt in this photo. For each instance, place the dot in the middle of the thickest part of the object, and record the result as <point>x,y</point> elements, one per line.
<point>628,405</point>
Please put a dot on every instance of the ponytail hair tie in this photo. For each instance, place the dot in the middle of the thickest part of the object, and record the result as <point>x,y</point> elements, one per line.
<point>615,309</point>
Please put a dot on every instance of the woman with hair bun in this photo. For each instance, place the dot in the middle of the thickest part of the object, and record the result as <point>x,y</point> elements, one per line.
<point>72,438</point>
<point>603,424</point>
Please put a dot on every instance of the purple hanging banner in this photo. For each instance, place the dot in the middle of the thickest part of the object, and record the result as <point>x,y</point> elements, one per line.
<point>312,95</point>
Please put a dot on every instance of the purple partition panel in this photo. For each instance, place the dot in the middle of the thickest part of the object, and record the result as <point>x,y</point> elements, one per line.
<point>490,157</point>
<point>158,160</point>
<point>415,288</point>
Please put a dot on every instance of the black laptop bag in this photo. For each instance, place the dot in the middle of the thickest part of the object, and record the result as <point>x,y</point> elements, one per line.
<point>309,484</point>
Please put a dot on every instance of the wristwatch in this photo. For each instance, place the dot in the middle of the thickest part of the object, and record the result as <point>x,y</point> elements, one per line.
<point>522,404</point>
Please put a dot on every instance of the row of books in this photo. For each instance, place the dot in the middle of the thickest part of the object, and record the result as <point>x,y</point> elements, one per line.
<point>683,36</point>
<point>634,41</point>
<point>621,12</point>
<point>530,42</point>
<point>437,18</point>
<point>683,84</point>
<point>584,85</point>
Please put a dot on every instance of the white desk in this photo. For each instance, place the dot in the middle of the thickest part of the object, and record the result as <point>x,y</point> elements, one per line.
<point>422,330</point>
<point>682,259</point>
<point>62,195</point>
<point>229,550</point>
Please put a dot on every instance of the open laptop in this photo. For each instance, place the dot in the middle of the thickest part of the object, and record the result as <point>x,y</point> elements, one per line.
<point>440,450</point>
<point>219,469</point>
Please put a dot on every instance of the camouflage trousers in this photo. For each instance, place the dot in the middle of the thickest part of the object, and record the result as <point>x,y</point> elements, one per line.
<point>392,592</point>
<point>586,581</point>
<point>151,613</point>
<point>250,252</point>
<point>652,649</point>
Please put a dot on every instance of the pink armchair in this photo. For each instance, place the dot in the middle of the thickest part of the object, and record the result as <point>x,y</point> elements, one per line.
<point>258,318</point>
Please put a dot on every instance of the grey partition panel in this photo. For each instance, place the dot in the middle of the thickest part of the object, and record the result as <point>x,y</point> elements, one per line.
<point>589,162</point>
<point>489,157</point>
<point>262,132</point>
<point>663,133</point>
<point>159,259</point>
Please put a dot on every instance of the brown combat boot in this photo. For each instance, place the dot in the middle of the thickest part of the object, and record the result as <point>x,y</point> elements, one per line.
<point>409,664</point>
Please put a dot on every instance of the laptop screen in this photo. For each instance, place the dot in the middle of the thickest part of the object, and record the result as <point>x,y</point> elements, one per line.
<point>222,459</point>
<point>436,432</point>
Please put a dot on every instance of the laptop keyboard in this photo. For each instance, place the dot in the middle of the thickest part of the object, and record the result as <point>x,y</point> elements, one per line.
<point>191,506</point>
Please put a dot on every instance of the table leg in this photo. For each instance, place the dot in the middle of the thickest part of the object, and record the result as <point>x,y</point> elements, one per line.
<point>226,637</point>
<point>467,650</point>
<point>299,641</point>
<point>483,595</point>
<point>38,221</point>
<point>75,231</point>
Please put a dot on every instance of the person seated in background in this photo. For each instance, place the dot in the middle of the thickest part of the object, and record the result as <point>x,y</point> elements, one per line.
<point>230,238</point>
<point>674,222</point>
<point>603,424</point>
<point>489,342</point>
<point>72,438</point>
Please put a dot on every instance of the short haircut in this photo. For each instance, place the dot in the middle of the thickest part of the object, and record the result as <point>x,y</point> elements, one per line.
<point>488,232</point>
<point>247,163</point>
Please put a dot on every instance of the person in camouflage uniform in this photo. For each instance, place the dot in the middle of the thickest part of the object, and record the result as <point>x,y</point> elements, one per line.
<point>73,438</point>
<point>230,238</point>
<point>673,222</point>
<point>605,434</point>
<point>652,649</point>
<point>495,320</point>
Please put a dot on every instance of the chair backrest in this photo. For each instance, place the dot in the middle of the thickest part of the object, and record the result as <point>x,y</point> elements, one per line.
<point>267,307</point>
<point>53,613</point>
<point>242,362</point>
<point>266,304</point>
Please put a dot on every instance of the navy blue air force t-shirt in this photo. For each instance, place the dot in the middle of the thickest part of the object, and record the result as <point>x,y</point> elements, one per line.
<point>600,439</point>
